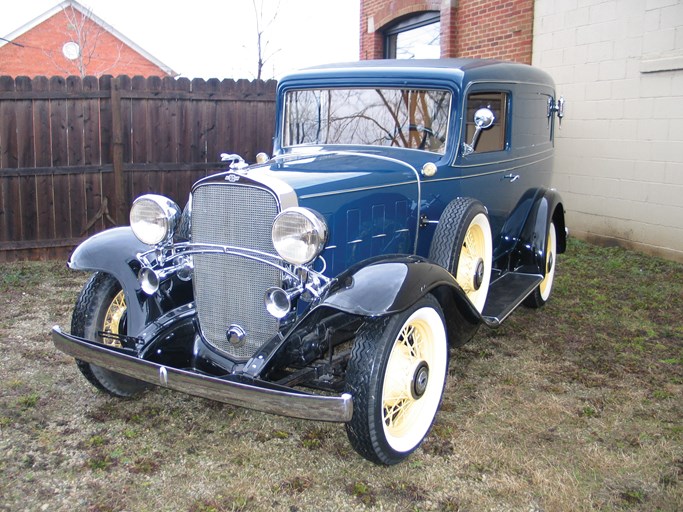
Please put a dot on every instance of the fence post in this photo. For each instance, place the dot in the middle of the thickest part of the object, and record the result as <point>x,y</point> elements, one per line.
<point>117,156</point>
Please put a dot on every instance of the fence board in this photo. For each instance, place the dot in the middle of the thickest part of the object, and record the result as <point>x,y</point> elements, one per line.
<point>75,150</point>
<point>8,128</point>
<point>59,138</point>
<point>139,181</point>
<point>168,135</point>
<point>41,124</point>
<point>57,145</point>
<point>10,220</point>
<point>25,158</point>
<point>92,182</point>
<point>91,123</point>
<point>105,125</point>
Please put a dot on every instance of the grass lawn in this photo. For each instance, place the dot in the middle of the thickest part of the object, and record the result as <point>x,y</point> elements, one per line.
<point>577,406</point>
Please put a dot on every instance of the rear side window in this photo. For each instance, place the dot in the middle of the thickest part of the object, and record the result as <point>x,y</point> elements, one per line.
<point>533,124</point>
<point>493,138</point>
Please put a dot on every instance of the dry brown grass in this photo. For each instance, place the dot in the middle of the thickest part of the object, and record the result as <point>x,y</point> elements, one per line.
<point>574,407</point>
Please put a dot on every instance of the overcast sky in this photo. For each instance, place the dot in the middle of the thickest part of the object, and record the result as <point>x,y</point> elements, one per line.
<point>217,39</point>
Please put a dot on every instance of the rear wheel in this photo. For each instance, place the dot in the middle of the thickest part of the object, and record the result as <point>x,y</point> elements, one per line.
<point>101,307</point>
<point>463,245</point>
<point>396,376</point>
<point>541,294</point>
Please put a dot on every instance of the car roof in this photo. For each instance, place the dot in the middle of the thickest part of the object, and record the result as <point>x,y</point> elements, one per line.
<point>458,71</point>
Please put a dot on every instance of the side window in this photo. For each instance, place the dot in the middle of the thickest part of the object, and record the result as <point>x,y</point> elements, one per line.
<point>491,139</point>
<point>533,122</point>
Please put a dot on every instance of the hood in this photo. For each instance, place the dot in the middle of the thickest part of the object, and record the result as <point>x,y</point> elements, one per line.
<point>335,173</point>
<point>370,202</point>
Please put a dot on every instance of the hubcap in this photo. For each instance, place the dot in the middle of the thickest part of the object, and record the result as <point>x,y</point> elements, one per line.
<point>478,274</point>
<point>420,380</point>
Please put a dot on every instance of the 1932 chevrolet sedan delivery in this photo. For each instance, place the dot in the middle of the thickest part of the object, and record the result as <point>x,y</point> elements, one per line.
<point>406,204</point>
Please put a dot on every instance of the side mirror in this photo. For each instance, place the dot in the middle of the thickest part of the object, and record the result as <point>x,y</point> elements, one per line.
<point>483,119</point>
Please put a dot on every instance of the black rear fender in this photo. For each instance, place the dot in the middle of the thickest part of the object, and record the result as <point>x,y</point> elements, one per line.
<point>547,207</point>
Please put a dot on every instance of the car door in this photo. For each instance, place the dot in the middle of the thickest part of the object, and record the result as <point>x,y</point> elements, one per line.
<point>488,172</point>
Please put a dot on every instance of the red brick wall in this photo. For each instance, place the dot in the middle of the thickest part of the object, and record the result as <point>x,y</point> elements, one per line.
<point>501,29</point>
<point>382,14</point>
<point>41,53</point>
<point>495,29</point>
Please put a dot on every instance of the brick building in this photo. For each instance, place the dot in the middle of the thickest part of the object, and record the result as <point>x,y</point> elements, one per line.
<point>447,28</point>
<point>70,40</point>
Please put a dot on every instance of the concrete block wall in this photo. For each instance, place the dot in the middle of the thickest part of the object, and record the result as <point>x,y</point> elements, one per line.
<point>619,159</point>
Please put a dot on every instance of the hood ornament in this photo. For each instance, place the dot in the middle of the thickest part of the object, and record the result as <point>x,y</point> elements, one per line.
<point>237,163</point>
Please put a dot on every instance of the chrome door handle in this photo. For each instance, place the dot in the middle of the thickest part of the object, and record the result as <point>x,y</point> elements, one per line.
<point>511,177</point>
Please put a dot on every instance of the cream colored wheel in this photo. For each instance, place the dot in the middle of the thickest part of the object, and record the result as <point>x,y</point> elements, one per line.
<point>463,245</point>
<point>113,319</point>
<point>396,376</point>
<point>413,380</point>
<point>473,272</point>
<point>546,285</point>
<point>542,293</point>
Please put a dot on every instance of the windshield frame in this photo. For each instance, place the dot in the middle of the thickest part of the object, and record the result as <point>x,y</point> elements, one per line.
<point>450,94</point>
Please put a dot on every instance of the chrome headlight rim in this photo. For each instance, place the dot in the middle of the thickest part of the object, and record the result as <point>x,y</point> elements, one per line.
<point>154,218</point>
<point>314,238</point>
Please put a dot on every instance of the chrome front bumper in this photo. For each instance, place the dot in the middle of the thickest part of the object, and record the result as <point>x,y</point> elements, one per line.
<point>275,401</point>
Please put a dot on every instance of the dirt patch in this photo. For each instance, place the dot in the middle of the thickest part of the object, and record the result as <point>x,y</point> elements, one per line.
<point>577,406</point>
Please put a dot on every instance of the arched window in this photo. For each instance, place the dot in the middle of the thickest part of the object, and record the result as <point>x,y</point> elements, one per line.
<point>416,37</point>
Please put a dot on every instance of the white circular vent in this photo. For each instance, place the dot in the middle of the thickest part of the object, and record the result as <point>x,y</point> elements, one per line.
<point>71,50</point>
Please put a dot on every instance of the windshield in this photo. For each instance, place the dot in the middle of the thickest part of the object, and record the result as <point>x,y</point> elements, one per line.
<point>405,118</point>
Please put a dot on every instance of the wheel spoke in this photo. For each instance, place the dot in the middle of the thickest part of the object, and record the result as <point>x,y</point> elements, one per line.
<point>395,415</point>
<point>397,398</point>
<point>409,342</point>
<point>113,316</point>
<point>471,244</point>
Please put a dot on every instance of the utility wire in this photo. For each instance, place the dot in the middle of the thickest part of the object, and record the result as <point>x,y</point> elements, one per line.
<point>12,42</point>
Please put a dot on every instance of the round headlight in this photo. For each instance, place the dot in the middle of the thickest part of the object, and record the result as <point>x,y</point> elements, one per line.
<point>153,218</point>
<point>299,235</point>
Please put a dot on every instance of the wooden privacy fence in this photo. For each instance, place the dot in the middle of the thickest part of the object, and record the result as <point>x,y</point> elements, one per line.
<point>75,152</point>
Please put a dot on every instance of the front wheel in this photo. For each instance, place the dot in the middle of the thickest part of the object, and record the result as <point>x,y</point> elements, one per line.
<point>396,376</point>
<point>101,308</point>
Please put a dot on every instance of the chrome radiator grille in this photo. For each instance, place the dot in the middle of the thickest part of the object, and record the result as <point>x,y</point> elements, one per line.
<point>229,289</point>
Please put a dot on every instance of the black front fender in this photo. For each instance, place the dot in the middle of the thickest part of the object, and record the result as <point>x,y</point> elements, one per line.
<point>391,284</point>
<point>114,251</point>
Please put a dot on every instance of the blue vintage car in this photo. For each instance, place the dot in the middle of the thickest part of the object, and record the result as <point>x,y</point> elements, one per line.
<point>406,204</point>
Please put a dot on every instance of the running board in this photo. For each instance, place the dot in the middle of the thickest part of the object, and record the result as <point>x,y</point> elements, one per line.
<point>506,293</point>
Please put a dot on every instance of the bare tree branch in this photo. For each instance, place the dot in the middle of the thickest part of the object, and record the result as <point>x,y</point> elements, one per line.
<point>87,34</point>
<point>262,26</point>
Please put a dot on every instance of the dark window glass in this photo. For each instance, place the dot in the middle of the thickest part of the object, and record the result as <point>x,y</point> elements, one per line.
<point>417,37</point>
<point>533,125</point>
<point>493,138</point>
<point>406,118</point>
